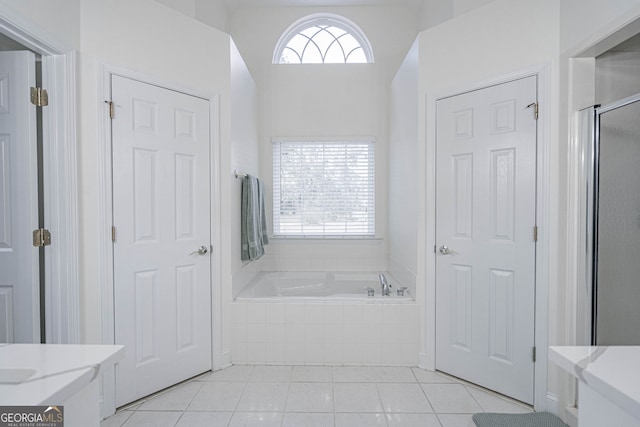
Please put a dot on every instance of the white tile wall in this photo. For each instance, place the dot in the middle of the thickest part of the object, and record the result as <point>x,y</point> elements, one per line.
<point>327,333</point>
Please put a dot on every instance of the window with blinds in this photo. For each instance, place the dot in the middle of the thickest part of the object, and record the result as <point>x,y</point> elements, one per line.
<point>323,189</point>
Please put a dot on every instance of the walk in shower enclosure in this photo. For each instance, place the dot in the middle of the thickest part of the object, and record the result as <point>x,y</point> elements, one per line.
<point>610,150</point>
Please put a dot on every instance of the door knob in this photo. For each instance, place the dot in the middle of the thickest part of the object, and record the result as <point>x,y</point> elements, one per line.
<point>444,250</point>
<point>202,250</point>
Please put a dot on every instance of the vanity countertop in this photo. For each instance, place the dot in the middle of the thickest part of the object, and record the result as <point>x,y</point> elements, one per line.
<point>612,371</point>
<point>48,374</point>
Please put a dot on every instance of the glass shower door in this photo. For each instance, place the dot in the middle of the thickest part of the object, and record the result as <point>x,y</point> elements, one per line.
<point>617,224</point>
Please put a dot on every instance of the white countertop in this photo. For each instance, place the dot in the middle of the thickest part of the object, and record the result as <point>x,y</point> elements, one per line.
<point>60,370</point>
<point>613,371</point>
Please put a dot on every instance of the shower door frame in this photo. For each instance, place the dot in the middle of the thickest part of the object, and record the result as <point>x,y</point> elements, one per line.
<point>589,152</point>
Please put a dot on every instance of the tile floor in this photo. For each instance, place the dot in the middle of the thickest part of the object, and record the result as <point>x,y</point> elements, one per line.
<point>310,396</point>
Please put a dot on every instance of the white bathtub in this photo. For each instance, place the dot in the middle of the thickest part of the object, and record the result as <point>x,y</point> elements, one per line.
<point>321,286</point>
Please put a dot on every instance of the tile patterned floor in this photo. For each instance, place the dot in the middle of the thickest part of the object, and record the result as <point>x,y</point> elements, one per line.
<point>315,396</point>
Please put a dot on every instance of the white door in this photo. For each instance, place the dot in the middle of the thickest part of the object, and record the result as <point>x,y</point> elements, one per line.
<point>161,210</point>
<point>485,218</point>
<point>19,259</point>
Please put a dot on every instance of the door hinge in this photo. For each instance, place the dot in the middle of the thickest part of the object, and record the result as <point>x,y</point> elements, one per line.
<point>41,237</point>
<point>113,234</point>
<point>535,233</point>
<point>533,354</point>
<point>39,97</point>
<point>536,109</point>
<point>112,110</point>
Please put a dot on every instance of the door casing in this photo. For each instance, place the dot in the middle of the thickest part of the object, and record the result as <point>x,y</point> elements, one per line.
<point>105,220</point>
<point>543,202</point>
<point>60,174</point>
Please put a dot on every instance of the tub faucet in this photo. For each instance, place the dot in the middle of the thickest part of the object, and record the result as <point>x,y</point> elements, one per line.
<point>386,287</point>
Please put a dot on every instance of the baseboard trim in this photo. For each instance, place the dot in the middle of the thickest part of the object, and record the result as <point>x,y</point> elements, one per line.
<point>225,361</point>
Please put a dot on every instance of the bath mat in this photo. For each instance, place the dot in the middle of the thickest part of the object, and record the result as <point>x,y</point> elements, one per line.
<point>535,419</point>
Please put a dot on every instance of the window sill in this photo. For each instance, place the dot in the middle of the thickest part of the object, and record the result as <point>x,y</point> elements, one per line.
<point>325,240</point>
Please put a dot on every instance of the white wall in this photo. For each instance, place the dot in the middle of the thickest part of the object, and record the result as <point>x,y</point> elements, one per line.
<point>617,76</point>
<point>497,39</point>
<point>60,20</point>
<point>213,13</point>
<point>244,158</point>
<point>134,36</point>
<point>403,170</point>
<point>326,101</point>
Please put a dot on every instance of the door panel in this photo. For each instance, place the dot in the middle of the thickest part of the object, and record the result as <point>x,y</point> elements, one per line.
<point>19,259</point>
<point>161,161</point>
<point>485,216</point>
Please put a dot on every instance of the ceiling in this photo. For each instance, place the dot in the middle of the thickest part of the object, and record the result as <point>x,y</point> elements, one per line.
<point>237,4</point>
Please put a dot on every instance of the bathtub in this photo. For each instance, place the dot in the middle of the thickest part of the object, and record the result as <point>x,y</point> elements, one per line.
<point>318,318</point>
<point>320,286</point>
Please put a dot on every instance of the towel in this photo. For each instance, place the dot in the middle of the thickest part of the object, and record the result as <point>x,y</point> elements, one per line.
<point>253,220</point>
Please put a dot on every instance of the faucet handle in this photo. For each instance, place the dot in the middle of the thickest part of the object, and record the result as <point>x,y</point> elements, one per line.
<point>370,291</point>
<point>401,290</point>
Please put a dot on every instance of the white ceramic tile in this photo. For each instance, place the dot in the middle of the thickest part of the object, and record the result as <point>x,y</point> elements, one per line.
<point>294,352</point>
<point>413,420</point>
<point>451,399</point>
<point>275,374</point>
<point>256,352</point>
<point>425,376</point>
<point>410,353</point>
<point>294,333</point>
<point>314,352</point>
<point>356,397</point>
<point>176,399</point>
<point>310,397</point>
<point>239,353</point>
<point>372,353</point>
<point>372,334</point>
<point>117,419</point>
<point>392,374</point>
<point>353,314</point>
<point>392,354</point>
<point>263,397</point>
<point>276,354</point>
<point>314,314</point>
<point>239,313</point>
<point>275,332</point>
<point>256,332</point>
<point>333,333</point>
<point>372,314</point>
<point>251,419</point>
<point>353,332</point>
<point>294,313</point>
<point>391,333</point>
<point>393,313</point>
<point>236,373</point>
<point>360,420</point>
<point>204,419</point>
<point>318,374</point>
<point>256,313</point>
<point>334,314</point>
<point>275,313</point>
<point>333,353</point>
<point>314,333</point>
<point>153,419</point>
<point>297,419</point>
<point>352,353</point>
<point>403,398</point>
<point>454,420</point>
<point>492,402</point>
<point>217,396</point>
<point>355,374</point>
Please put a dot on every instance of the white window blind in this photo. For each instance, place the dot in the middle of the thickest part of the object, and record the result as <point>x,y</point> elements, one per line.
<point>323,189</point>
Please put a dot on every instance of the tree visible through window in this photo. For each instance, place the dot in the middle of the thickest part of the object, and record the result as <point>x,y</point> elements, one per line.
<point>323,39</point>
<point>323,189</point>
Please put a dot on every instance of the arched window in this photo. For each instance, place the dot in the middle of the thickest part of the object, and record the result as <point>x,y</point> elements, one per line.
<point>323,39</point>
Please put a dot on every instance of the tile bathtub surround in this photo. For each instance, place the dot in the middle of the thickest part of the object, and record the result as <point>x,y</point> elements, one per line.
<point>288,396</point>
<point>325,333</point>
